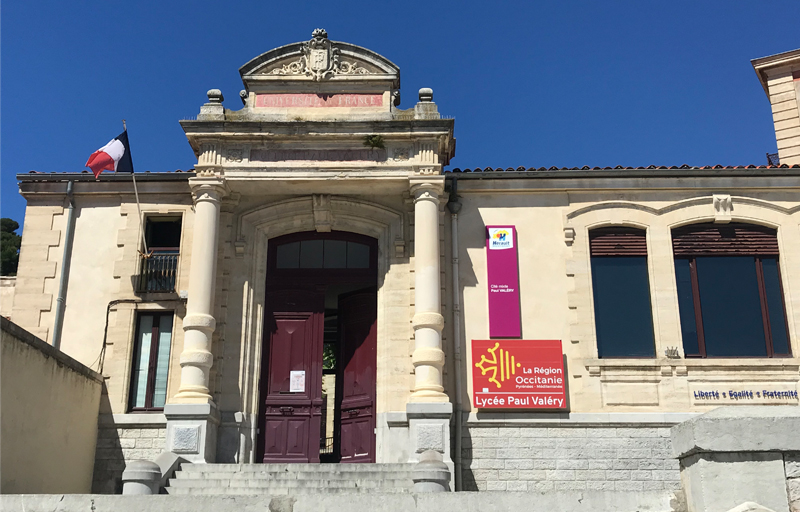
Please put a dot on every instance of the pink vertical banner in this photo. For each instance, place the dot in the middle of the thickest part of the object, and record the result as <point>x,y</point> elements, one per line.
<point>503,277</point>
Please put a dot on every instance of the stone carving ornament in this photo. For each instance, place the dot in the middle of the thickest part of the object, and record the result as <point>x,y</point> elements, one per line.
<point>320,60</point>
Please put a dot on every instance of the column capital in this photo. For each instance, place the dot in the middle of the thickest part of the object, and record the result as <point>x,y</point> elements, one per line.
<point>426,186</point>
<point>208,188</point>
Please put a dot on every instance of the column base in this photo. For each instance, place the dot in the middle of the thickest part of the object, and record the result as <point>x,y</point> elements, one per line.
<point>192,431</point>
<point>429,429</point>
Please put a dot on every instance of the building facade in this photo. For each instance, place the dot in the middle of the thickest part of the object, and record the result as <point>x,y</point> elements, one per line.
<point>319,288</point>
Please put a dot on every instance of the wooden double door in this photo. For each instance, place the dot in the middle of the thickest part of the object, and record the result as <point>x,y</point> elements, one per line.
<point>316,316</point>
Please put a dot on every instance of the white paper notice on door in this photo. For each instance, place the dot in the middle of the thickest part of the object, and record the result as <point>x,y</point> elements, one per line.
<point>297,381</point>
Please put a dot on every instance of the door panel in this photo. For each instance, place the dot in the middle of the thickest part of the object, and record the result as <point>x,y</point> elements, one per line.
<point>358,345</point>
<point>292,417</point>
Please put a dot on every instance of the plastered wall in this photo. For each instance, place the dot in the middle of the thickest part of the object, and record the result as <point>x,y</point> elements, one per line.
<point>49,417</point>
<point>556,294</point>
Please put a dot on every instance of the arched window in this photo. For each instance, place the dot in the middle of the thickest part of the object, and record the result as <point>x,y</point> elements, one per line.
<point>621,288</point>
<point>729,291</point>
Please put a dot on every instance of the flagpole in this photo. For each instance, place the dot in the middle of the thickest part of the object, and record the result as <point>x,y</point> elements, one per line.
<point>146,253</point>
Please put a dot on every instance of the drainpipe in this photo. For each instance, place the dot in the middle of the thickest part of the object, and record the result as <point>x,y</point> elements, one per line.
<point>454,206</point>
<point>65,260</point>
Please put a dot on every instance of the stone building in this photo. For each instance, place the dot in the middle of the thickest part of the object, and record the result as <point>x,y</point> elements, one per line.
<point>321,239</point>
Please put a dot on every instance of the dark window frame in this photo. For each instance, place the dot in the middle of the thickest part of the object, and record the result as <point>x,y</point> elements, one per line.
<point>311,275</point>
<point>152,362</point>
<point>764,249</point>
<point>620,242</point>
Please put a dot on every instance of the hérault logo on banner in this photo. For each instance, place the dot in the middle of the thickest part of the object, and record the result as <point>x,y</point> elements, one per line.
<point>501,238</point>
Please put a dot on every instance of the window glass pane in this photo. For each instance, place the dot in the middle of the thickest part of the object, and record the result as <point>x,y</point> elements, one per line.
<point>683,276</point>
<point>357,255</point>
<point>162,361</point>
<point>731,306</point>
<point>335,254</point>
<point>777,320</point>
<point>141,361</point>
<point>163,232</point>
<point>288,255</point>
<point>311,254</point>
<point>623,315</point>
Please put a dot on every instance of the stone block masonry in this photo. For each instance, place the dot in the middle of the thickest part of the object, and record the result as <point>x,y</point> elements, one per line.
<point>536,458</point>
<point>791,462</point>
<point>118,445</point>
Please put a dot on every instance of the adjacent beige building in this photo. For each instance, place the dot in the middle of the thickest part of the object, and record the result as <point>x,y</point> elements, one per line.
<point>320,233</point>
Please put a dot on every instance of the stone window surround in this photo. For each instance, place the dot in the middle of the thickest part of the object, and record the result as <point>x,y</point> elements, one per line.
<point>182,266</point>
<point>123,339</point>
<point>658,224</point>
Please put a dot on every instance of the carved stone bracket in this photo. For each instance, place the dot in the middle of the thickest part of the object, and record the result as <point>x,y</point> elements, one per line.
<point>569,236</point>
<point>239,247</point>
<point>723,206</point>
<point>323,217</point>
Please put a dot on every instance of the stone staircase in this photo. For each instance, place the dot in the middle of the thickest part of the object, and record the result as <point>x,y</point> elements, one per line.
<point>283,479</point>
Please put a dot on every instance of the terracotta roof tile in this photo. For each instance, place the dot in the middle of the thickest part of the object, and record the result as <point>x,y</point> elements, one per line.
<point>620,167</point>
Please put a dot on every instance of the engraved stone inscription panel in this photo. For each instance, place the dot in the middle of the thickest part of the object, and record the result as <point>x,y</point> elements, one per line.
<point>738,393</point>
<point>299,100</point>
<point>326,155</point>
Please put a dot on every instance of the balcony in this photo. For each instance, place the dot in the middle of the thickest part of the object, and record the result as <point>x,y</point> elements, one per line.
<point>159,270</point>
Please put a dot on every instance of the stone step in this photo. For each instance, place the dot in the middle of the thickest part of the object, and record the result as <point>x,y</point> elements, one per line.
<point>317,468</point>
<point>290,484</point>
<point>293,475</point>
<point>245,491</point>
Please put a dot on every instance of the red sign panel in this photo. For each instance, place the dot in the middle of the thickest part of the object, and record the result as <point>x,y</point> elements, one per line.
<point>307,100</point>
<point>518,374</point>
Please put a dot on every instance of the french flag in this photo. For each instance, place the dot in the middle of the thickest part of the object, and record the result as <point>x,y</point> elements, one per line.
<point>114,156</point>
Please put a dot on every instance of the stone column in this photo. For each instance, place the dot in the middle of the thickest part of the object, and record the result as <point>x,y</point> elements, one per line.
<point>428,322</point>
<point>199,323</point>
<point>192,417</point>
<point>429,408</point>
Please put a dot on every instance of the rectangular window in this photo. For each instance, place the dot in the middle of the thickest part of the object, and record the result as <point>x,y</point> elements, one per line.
<point>623,315</point>
<point>150,367</point>
<point>160,261</point>
<point>729,291</point>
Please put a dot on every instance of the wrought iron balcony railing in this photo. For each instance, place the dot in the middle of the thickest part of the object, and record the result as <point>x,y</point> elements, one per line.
<point>159,271</point>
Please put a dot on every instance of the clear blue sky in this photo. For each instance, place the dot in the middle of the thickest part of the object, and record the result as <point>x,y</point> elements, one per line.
<point>563,83</point>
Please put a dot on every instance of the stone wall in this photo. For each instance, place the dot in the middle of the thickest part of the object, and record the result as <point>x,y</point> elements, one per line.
<point>120,442</point>
<point>48,423</point>
<point>791,462</point>
<point>536,458</point>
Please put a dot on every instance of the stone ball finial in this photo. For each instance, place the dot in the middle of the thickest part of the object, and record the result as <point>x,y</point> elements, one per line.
<point>215,96</point>
<point>426,95</point>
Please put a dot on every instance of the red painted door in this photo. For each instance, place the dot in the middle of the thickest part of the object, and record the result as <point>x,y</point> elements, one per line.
<point>358,344</point>
<point>293,394</point>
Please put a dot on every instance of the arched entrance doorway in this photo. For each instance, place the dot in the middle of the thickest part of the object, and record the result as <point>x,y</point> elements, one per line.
<point>317,387</point>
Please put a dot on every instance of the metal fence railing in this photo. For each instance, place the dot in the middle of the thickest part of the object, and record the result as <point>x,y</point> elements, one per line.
<point>159,271</point>
<point>326,446</point>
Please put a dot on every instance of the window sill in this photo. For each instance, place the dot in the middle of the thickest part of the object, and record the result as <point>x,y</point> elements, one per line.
<point>786,362</point>
<point>129,420</point>
<point>656,369</point>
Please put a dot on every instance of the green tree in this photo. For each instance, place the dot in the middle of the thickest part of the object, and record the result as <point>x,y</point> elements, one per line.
<point>9,247</point>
